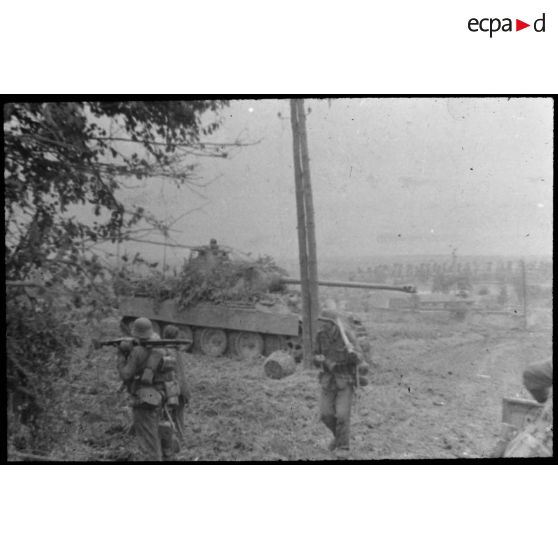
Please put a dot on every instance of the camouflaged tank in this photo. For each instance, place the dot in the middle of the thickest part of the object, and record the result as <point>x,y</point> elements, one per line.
<point>239,328</point>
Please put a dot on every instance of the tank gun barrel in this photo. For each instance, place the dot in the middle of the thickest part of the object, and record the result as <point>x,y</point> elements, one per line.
<point>355,285</point>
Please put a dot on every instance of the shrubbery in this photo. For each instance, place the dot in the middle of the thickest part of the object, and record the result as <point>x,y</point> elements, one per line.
<point>40,337</point>
<point>59,157</point>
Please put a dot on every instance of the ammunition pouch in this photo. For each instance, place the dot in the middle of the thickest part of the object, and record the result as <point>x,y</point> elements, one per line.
<point>147,376</point>
<point>363,381</point>
<point>169,364</point>
<point>361,374</point>
<point>172,392</point>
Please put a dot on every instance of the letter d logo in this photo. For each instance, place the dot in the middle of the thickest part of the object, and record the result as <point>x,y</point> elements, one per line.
<point>539,28</point>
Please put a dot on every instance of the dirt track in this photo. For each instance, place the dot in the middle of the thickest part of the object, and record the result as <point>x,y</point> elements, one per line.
<point>436,392</point>
<point>449,398</point>
<point>438,397</point>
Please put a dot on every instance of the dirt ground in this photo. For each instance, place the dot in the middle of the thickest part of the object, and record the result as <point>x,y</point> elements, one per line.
<point>436,392</point>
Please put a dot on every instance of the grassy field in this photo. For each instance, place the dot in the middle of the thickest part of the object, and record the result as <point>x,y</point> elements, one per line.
<point>435,393</point>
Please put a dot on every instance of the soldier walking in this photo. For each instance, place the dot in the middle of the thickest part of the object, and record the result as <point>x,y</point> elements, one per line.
<point>171,332</point>
<point>342,370</point>
<point>150,378</point>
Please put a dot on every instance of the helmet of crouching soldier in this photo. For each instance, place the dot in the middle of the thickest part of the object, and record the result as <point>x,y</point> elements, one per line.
<point>170,332</point>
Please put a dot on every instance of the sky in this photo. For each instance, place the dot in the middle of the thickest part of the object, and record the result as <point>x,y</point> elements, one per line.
<point>390,176</point>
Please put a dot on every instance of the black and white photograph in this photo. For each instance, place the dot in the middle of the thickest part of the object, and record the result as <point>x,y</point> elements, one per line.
<point>287,279</point>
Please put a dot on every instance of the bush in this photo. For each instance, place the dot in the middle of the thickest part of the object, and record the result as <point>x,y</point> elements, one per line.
<point>40,337</point>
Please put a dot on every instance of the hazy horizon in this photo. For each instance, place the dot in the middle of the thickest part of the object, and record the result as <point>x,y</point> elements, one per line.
<point>390,176</point>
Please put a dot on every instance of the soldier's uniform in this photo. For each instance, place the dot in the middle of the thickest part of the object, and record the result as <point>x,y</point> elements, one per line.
<point>171,332</point>
<point>535,438</point>
<point>337,378</point>
<point>150,379</point>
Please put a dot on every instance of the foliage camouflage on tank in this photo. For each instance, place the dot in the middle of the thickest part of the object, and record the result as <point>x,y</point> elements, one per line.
<point>236,307</point>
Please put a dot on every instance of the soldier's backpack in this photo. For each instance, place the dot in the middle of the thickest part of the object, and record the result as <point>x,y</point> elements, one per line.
<point>170,381</point>
<point>157,383</point>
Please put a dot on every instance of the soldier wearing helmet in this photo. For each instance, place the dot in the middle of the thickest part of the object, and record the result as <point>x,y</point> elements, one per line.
<point>216,251</point>
<point>534,438</point>
<point>150,382</point>
<point>342,367</point>
<point>142,328</point>
<point>172,332</point>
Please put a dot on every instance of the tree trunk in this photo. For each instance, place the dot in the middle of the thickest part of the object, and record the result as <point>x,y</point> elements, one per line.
<point>279,364</point>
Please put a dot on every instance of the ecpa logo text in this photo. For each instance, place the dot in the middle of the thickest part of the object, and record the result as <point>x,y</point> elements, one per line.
<point>492,25</point>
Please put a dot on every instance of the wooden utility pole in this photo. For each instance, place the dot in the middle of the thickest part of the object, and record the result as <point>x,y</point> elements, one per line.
<point>310,227</point>
<point>306,233</point>
<point>302,246</point>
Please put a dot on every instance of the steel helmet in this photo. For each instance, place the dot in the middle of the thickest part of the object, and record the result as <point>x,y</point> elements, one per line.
<point>170,332</point>
<point>328,315</point>
<point>142,328</point>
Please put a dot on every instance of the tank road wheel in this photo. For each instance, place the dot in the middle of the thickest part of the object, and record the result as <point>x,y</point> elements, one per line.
<point>274,343</point>
<point>185,332</point>
<point>211,341</point>
<point>246,345</point>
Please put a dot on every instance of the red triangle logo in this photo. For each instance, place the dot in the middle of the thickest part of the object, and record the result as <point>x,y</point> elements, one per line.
<point>519,25</point>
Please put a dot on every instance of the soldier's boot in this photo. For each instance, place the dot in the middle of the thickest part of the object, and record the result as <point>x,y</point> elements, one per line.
<point>342,436</point>
<point>341,453</point>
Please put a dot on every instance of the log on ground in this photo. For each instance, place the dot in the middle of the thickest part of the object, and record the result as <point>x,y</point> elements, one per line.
<point>279,364</point>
